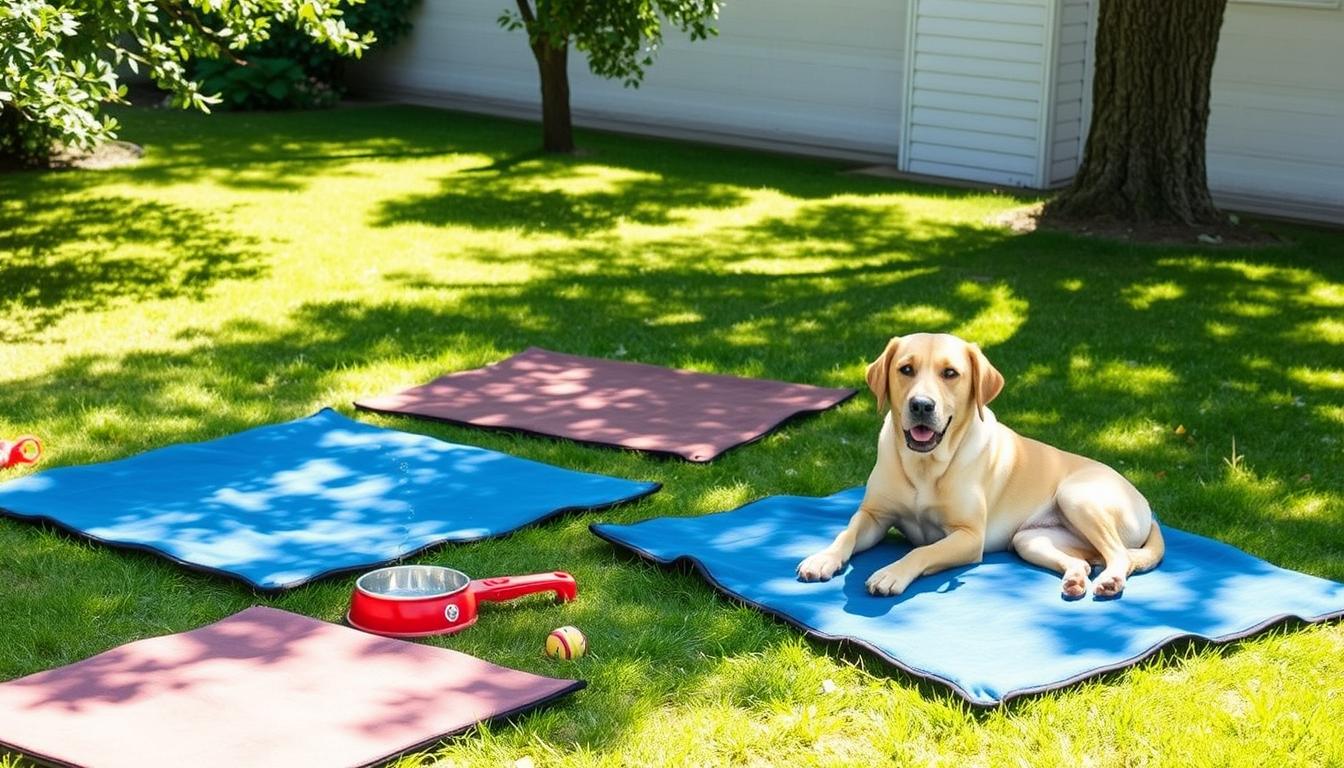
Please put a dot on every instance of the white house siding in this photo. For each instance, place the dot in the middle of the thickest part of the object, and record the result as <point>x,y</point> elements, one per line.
<point>829,77</point>
<point>1276,121</point>
<point>1072,86</point>
<point>825,76</point>
<point>978,88</point>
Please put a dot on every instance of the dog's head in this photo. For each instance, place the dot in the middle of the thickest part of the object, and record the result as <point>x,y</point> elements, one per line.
<point>932,380</point>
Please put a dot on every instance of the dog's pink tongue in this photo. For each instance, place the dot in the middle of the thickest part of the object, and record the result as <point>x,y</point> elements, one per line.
<point>922,434</point>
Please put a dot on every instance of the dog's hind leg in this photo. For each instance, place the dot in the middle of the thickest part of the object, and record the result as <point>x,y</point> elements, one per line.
<point>1082,501</point>
<point>1058,549</point>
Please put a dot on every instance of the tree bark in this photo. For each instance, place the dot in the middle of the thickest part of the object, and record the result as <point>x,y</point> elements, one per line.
<point>557,129</point>
<point>1145,155</point>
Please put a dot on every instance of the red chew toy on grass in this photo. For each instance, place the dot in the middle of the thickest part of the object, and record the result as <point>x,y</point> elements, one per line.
<point>24,450</point>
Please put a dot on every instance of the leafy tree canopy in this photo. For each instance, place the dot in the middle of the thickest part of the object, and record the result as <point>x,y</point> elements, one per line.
<point>59,59</point>
<point>618,37</point>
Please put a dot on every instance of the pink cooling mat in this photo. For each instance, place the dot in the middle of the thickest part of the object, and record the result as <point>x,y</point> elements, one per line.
<point>696,416</point>
<point>262,687</point>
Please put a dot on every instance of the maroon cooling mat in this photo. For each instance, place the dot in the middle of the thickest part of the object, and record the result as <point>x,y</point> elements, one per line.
<point>696,416</point>
<point>262,687</point>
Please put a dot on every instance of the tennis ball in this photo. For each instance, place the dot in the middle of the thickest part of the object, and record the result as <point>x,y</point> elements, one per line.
<point>566,643</point>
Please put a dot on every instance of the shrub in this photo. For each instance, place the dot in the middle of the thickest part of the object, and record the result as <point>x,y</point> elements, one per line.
<point>263,83</point>
<point>292,70</point>
<point>59,58</point>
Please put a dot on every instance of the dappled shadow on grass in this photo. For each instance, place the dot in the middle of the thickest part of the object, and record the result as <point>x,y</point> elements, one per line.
<point>617,182</point>
<point>60,255</point>
<point>525,195</point>
<point>285,151</point>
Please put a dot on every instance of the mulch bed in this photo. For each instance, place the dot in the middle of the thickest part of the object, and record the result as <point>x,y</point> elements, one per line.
<point>1232,233</point>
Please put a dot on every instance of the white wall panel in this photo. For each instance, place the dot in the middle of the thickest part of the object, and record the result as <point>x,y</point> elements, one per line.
<point>978,89</point>
<point>1072,60</point>
<point>1276,120</point>
<point>827,75</point>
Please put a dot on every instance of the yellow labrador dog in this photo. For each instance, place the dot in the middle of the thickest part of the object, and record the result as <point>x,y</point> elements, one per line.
<point>957,483</point>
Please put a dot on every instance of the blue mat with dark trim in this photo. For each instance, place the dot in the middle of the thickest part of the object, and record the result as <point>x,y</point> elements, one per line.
<point>280,505</point>
<point>991,631</point>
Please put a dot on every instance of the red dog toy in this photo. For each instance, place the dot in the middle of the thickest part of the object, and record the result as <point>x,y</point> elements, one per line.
<point>24,450</point>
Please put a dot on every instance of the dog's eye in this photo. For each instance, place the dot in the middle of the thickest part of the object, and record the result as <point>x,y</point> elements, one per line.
<point>907,370</point>
<point>950,373</point>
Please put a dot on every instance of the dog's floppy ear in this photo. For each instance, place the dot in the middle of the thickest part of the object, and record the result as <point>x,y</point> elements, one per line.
<point>986,381</point>
<point>879,369</point>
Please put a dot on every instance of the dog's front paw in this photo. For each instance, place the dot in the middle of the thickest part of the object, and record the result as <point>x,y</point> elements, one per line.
<point>891,580</point>
<point>819,567</point>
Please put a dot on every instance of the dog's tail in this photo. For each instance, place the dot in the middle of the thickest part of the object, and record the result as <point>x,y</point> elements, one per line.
<point>1150,554</point>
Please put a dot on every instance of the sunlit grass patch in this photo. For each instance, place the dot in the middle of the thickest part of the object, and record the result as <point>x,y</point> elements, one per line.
<point>1328,330</point>
<point>1145,296</point>
<point>1126,376</point>
<point>1318,379</point>
<point>1001,313</point>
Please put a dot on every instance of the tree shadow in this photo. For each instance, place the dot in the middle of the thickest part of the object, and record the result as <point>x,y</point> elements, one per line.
<point>286,151</point>
<point>556,195</point>
<point>616,182</point>
<point>62,258</point>
<point>283,151</point>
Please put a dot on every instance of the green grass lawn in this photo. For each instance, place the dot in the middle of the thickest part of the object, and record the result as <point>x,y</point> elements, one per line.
<point>255,268</point>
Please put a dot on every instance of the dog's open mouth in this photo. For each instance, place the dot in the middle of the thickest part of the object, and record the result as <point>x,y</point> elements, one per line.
<point>922,439</point>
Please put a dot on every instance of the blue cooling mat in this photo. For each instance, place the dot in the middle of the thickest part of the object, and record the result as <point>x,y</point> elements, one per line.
<point>280,505</point>
<point>991,631</point>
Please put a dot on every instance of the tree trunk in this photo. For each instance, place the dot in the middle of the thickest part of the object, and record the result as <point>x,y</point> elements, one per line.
<point>557,129</point>
<point>1145,154</point>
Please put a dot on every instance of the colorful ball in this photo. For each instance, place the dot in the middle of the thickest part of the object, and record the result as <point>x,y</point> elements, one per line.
<point>566,643</point>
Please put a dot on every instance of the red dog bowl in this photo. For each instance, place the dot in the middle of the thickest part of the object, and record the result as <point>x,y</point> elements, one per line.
<point>420,600</point>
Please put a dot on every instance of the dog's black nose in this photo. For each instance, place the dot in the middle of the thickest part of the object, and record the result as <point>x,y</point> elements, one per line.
<point>922,406</point>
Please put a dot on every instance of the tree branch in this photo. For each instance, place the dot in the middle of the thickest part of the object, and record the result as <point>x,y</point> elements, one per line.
<point>187,17</point>
<point>525,11</point>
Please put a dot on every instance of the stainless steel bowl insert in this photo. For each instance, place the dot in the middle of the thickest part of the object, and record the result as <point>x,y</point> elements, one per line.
<point>412,582</point>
